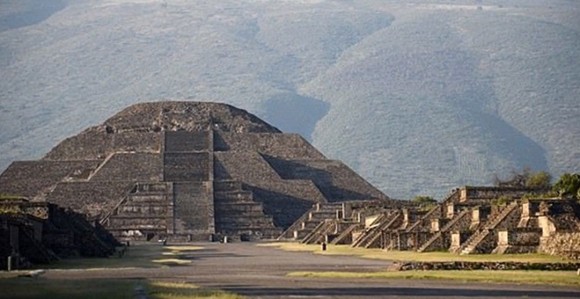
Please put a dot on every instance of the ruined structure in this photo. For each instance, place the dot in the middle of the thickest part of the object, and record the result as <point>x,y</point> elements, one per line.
<point>40,232</point>
<point>186,171</point>
<point>470,220</point>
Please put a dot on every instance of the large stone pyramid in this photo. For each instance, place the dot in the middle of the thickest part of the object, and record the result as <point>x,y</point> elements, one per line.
<point>186,171</point>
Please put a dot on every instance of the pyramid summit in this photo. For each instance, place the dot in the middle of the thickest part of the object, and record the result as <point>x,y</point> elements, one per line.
<point>187,171</point>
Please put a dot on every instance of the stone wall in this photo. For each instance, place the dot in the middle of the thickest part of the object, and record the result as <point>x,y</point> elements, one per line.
<point>61,233</point>
<point>94,199</point>
<point>408,266</point>
<point>32,178</point>
<point>180,167</point>
<point>130,167</point>
<point>257,175</point>
<point>97,143</point>
<point>566,244</point>
<point>458,238</point>
<point>245,166</point>
<point>334,179</point>
<point>479,215</point>
<point>520,237</point>
<point>184,141</point>
<point>287,146</point>
<point>518,240</point>
<point>489,193</point>
<point>285,206</point>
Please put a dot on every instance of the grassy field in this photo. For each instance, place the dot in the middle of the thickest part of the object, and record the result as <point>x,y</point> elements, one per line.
<point>137,256</point>
<point>24,288</point>
<point>568,278</point>
<point>411,256</point>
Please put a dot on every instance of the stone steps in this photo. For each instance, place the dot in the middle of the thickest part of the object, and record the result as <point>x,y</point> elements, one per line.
<point>444,229</point>
<point>236,211</point>
<point>309,220</point>
<point>345,237</point>
<point>292,231</point>
<point>435,212</point>
<point>318,234</point>
<point>181,167</point>
<point>371,234</point>
<point>472,244</point>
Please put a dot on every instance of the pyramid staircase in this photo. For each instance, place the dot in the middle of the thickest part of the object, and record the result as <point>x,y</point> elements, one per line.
<point>318,234</point>
<point>310,220</point>
<point>144,210</point>
<point>429,245</point>
<point>373,234</point>
<point>345,237</point>
<point>476,242</point>
<point>434,212</point>
<point>237,214</point>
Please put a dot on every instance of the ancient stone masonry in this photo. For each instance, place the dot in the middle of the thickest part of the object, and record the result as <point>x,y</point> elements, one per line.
<point>310,220</point>
<point>39,232</point>
<point>566,244</point>
<point>188,171</point>
<point>336,223</point>
<point>469,220</point>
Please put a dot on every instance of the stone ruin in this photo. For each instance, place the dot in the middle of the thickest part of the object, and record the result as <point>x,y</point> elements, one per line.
<point>470,220</point>
<point>40,232</point>
<point>186,171</point>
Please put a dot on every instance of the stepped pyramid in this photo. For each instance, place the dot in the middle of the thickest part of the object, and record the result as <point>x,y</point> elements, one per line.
<point>186,171</point>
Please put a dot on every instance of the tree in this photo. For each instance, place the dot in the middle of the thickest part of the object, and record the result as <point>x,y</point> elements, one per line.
<point>568,185</point>
<point>424,201</point>
<point>526,178</point>
<point>540,179</point>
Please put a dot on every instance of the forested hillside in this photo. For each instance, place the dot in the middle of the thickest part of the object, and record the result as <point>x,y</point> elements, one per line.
<point>417,96</point>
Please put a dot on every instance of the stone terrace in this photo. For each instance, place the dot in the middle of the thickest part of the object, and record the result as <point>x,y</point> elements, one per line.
<point>469,220</point>
<point>130,167</point>
<point>32,178</point>
<point>97,143</point>
<point>95,199</point>
<point>336,181</point>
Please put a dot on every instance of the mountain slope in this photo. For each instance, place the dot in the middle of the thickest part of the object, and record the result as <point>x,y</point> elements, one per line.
<point>418,97</point>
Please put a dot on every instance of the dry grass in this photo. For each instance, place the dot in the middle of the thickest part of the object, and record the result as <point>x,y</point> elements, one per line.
<point>411,256</point>
<point>182,248</point>
<point>568,278</point>
<point>172,262</point>
<point>137,256</point>
<point>183,290</point>
<point>25,288</point>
